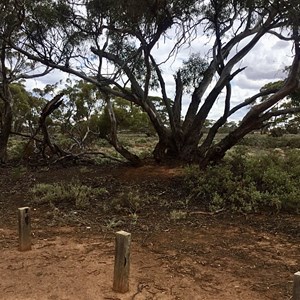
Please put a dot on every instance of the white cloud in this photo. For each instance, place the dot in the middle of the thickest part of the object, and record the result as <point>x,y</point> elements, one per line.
<point>54,77</point>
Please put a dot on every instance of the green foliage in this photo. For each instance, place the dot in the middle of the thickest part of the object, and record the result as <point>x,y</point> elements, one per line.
<point>18,172</point>
<point>263,141</point>
<point>248,183</point>
<point>178,214</point>
<point>192,71</point>
<point>76,193</point>
<point>292,128</point>
<point>113,223</point>
<point>130,201</point>
<point>85,118</point>
<point>148,14</point>
<point>26,107</point>
<point>228,127</point>
<point>277,132</point>
<point>140,144</point>
<point>16,148</point>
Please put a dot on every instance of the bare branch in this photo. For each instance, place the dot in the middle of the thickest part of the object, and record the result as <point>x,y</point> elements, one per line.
<point>252,100</point>
<point>32,76</point>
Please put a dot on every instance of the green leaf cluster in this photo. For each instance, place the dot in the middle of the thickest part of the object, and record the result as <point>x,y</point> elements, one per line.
<point>192,71</point>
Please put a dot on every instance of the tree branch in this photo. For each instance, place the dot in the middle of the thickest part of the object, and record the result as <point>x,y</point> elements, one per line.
<point>252,99</point>
<point>280,112</point>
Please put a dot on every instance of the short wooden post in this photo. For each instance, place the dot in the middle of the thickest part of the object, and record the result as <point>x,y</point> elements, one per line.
<point>24,229</point>
<point>296,288</point>
<point>122,262</point>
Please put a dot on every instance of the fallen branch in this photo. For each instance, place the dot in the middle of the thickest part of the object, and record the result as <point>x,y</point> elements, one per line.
<point>79,155</point>
<point>210,213</point>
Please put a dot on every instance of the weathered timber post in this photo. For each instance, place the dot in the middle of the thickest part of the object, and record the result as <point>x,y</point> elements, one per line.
<point>296,288</point>
<point>122,262</point>
<point>24,228</point>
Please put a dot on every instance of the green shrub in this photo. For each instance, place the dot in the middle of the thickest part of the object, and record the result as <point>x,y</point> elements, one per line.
<point>16,148</point>
<point>74,192</point>
<point>18,172</point>
<point>248,183</point>
<point>178,214</point>
<point>264,141</point>
<point>277,132</point>
<point>292,129</point>
<point>130,200</point>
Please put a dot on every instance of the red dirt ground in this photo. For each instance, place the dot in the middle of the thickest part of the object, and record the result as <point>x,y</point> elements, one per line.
<point>202,256</point>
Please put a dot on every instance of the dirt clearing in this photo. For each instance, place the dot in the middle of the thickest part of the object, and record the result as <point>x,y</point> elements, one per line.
<point>198,256</point>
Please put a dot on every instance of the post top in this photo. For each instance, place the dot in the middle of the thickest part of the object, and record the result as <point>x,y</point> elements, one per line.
<point>24,208</point>
<point>122,232</point>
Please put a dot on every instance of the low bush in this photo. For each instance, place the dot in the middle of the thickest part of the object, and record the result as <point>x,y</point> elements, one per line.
<point>248,183</point>
<point>265,141</point>
<point>16,148</point>
<point>130,200</point>
<point>277,132</point>
<point>76,193</point>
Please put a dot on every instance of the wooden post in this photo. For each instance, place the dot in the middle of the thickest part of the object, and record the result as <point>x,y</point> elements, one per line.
<point>122,262</point>
<point>296,288</point>
<point>24,229</point>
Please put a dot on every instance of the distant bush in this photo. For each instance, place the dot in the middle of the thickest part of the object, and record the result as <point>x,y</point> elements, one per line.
<point>247,183</point>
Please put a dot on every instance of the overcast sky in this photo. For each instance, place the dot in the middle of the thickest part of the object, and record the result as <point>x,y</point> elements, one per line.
<point>265,63</point>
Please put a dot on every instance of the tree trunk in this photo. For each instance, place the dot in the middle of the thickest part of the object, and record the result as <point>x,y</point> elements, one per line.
<point>113,138</point>
<point>160,150</point>
<point>46,111</point>
<point>175,146</point>
<point>132,158</point>
<point>5,131</point>
<point>216,153</point>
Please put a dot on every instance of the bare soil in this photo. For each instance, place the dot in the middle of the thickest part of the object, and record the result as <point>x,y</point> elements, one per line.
<point>200,256</point>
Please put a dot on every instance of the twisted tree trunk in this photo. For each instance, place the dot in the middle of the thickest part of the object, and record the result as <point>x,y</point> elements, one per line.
<point>113,138</point>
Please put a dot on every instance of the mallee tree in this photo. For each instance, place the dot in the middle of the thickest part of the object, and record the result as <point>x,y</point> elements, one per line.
<point>112,44</point>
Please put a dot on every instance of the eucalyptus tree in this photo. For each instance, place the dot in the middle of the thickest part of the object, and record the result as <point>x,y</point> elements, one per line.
<point>79,112</point>
<point>112,44</point>
<point>14,67</point>
<point>84,117</point>
<point>26,109</point>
